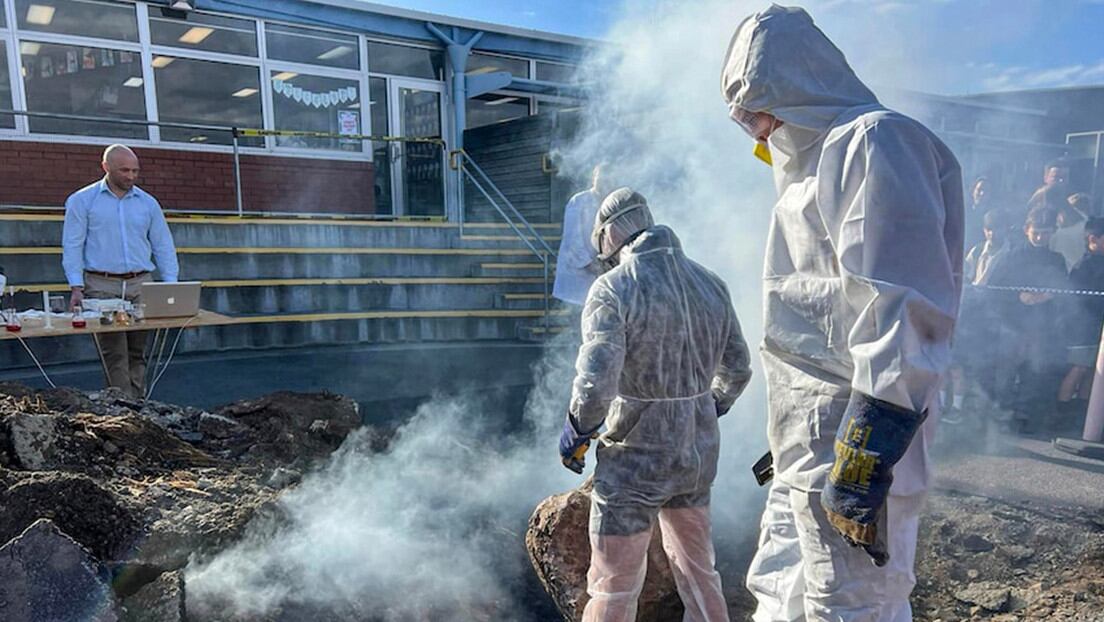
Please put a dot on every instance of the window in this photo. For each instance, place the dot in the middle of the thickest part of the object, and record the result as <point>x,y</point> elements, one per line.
<point>6,121</point>
<point>89,18</point>
<point>381,151</point>
<point>204,32</point>
<point>495,108</point>
<point>401,60</point>
<point>551,72</point>
<point>312,47</point>
<point>485,63</point>
<point>87,81</point>
<point>207,93</point>
<point>316,104</point>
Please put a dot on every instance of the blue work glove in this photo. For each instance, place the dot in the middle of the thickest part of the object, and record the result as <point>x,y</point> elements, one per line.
<point>872,437</point>
<point>574,445</point>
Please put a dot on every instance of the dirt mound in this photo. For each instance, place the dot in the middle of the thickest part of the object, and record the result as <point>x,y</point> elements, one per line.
<point>144,486</point>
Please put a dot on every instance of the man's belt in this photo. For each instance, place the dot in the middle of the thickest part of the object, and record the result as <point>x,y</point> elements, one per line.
<point>125,276</point>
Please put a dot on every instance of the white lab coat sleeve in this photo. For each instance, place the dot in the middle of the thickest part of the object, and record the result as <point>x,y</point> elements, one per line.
<point>601,358</point>
<point>576,251</point>
<point>889,218</point>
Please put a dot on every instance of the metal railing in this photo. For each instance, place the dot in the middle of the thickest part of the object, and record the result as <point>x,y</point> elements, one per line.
<point>465,166</point>
<point>235,133</point>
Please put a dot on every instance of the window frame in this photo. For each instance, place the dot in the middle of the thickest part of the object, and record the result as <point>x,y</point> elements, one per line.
<point>15,78</point>
<point>11,36</point>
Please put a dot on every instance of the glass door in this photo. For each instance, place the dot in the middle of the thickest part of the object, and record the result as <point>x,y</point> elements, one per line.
<point>417,169</point>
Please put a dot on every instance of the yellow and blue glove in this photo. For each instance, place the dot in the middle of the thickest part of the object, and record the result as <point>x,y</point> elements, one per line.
<point>871,439</point>
<point>574,445</point>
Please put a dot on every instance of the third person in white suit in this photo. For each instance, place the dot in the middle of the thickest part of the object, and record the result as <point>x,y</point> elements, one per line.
<point>862,283</point>
<point>576,267</point>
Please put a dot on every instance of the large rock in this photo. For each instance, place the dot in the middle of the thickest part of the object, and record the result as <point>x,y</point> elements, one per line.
<point>159,601</point>
<point>560,552</point>
<point>45,576</point>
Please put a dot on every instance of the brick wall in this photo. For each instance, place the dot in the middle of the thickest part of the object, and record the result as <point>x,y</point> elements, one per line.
<point>46,173</point>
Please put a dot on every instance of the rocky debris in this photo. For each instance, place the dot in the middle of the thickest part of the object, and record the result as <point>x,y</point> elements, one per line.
<point>161,600</point>
<point>289,428</point>
<point>981,559</point>
<point>560,552</point>
<point>987,595</point>
<point>144,486</point>
<point>92,513</point>
<point>46,576</point>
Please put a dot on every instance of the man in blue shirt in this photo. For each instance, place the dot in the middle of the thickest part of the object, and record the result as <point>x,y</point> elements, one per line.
<point>114,231</point>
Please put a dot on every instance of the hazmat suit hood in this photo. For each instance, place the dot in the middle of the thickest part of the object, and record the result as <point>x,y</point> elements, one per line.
<point>779,62</point>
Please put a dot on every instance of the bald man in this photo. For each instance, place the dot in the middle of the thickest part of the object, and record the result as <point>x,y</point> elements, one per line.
<point>114,231</point>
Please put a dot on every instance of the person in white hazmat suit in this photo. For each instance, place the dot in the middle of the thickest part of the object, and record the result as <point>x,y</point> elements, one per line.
<point>576,265</point>
<point>862,283</point>
<point>663,357</point>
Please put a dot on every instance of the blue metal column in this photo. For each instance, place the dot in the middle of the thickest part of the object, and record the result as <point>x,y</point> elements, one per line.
<point>457,54</point>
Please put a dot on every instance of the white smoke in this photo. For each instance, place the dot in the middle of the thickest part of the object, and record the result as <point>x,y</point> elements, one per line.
<point>435,523</point>
<point>431,526</point>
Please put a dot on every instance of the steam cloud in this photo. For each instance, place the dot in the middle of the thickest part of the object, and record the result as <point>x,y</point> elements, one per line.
<point>436,522</point>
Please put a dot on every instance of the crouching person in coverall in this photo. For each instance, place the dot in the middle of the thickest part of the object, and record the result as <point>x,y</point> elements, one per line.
<point>862,283</point>
<point>662,358</point>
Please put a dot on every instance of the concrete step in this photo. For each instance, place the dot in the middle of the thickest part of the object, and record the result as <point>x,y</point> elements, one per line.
<point>44,229</point>
<point>532,332</point>
<point>513,269</point>
<point>525,300</point>
<point>32,265</point>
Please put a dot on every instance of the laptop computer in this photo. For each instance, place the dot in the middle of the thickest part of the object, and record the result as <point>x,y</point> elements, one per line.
<point>164,300</point>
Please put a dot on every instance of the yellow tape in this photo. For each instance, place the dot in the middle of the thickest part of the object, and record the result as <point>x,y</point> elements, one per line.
<point>305,134</point>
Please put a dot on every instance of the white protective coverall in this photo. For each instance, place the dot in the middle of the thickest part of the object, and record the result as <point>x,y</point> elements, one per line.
<point>660,341</point>
<point>573,277</point>
<point>862,283</point>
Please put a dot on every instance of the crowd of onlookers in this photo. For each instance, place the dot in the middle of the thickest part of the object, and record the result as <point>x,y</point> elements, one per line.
<point>1025,352</point>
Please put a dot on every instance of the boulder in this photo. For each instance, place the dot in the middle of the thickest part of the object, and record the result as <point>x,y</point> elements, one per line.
<point>159,601</point>
<point>32,439</point>
<point>560,552</point>
<point>45,576</point>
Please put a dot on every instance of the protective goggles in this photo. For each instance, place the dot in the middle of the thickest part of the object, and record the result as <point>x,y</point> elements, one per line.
<point>756,124</point>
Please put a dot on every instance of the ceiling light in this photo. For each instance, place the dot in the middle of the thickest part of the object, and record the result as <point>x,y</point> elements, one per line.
<point>30,48</point>
<point>246,92</point>
<point>504,100</point>
<point>183,5</point>
<point>337,52</point>
<point>160,62</point>
<point>40,14</point>
<point>197,139</point>
<point>195,35</point>
<point>285,75</point>
<point>476,72</point>
<point>134,82</point>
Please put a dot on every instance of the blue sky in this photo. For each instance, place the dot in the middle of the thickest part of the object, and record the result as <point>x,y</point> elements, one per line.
<point>964,45</point>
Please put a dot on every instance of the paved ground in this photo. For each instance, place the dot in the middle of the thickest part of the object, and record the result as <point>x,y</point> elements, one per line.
<point>1017,469</point>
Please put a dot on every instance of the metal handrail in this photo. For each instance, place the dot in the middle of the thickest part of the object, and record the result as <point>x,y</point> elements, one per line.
<point>529,227</point>
<point>544,257</point>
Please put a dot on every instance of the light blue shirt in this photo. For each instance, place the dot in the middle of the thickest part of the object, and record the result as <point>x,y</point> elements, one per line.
<point>104,233</point>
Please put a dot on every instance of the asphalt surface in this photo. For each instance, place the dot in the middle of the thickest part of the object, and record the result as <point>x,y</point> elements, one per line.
<point>1018,469</point>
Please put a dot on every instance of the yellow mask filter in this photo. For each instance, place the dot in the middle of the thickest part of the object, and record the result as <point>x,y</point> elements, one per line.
<point>762,151</point>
